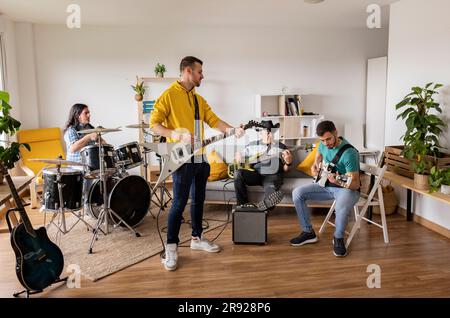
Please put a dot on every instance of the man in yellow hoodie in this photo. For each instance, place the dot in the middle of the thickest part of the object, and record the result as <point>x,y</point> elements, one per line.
<point>175,117</point>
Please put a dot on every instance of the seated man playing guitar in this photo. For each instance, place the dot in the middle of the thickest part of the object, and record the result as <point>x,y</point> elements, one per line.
<point>340,158</point>
<point>272,158</point>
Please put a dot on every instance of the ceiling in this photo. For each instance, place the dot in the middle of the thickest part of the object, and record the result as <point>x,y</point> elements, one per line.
<point>234,13</point>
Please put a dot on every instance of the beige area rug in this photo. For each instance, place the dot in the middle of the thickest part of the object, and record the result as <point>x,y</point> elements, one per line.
<point>121,248</point>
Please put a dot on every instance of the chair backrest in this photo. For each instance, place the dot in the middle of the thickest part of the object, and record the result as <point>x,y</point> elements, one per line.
<point>375,171</point>
<point>44,143</point>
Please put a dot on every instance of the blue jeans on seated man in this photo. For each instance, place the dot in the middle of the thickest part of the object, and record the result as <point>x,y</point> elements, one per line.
<point>345,200</point>
<point>189,178</point>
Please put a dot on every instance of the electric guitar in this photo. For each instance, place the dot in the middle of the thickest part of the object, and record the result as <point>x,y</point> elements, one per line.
<point>325,170</point>
<point>248,165</point>
<point>175,154</point>
<point>39,262</point>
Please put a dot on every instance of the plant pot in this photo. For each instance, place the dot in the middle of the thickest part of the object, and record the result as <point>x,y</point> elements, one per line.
<point>421,181</point>
<point>138,97</point>
<point>160,75</point>
<point>445,189</point>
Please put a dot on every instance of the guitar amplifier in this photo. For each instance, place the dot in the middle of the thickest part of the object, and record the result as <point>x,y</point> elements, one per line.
<point>249,225</point>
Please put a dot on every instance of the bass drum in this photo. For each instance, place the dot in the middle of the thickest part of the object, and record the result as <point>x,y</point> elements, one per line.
<point>129,197</point>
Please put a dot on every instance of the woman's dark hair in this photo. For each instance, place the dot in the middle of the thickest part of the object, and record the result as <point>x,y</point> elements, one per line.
<point>325,126</point>
<point>75,112</point>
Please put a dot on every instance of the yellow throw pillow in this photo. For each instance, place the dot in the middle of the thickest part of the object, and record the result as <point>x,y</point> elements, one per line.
<point>307,163</point>
<point>219,169</point>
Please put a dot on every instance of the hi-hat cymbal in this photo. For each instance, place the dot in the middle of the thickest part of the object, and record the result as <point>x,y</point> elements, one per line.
<point>143,125</point>
<point>59,162</point>
<point>98,129</point>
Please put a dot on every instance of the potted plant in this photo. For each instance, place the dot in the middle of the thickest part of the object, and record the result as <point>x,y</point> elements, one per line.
<point>139,90</point>
<point>423,127</point>
<point>160,69</point>
<point>439,179</point>
<point>445,186</point>
<point>8,126</point>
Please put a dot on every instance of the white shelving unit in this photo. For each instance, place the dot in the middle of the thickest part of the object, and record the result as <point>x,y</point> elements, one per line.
<point>294,129</point>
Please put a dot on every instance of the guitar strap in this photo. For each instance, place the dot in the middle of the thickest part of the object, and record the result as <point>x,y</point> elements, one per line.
<point>197,131</point>
<point>340,152</point>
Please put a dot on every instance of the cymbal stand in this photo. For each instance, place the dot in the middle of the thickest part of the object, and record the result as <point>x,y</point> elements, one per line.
<point>105,213</point>
<point>64,229</point>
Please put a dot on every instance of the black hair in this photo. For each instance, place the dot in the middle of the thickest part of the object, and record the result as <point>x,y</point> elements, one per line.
<point>74,113</point>
<point>325,126</point>
<point>189,61</point>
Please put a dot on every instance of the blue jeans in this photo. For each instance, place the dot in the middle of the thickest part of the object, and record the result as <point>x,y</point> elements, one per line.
<point>190,177</point>
<point>345,200</point>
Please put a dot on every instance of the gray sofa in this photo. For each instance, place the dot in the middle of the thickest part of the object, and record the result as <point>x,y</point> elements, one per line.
<point>222,191</point>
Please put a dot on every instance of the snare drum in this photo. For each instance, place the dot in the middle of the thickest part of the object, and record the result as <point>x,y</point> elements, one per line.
<point>130,153</point>
<point>72,189</point>
<point>89,156</point>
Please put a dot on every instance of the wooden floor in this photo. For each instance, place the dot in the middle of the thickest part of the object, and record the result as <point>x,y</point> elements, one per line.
<point>414,264</point>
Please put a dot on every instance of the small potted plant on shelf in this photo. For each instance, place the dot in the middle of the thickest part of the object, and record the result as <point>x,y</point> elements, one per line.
<point>8,127</point>
<point>160,69</point>
<point>139,90</point>
<point>423,127</point>
<point>445,186</point>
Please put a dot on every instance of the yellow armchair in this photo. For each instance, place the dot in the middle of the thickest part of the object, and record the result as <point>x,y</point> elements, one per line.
<point>44,143</point>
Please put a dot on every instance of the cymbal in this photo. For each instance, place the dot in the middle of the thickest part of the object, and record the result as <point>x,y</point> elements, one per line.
<point>99,129</point>
<point>138,126</point>
<point>59,162</point>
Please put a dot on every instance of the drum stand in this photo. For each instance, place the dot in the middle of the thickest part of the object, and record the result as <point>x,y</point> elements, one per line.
<point>162,187</point>
<point>105,213</point>
<point>62,210</point>
<point>163,190</point>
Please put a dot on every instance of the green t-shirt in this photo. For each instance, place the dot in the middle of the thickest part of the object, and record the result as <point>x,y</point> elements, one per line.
<point>349,161</point>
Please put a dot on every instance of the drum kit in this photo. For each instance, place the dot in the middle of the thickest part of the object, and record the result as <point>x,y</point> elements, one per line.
<point>114,197</point>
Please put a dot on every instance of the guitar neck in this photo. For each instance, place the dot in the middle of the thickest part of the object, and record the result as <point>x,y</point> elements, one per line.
<point>213,139</point>
<point>18,201</point>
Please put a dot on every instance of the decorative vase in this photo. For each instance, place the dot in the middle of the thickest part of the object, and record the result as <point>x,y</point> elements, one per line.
<point>445,189</point>
<point>160,75</point>
<point>138,97</point>
<point>421,181</point>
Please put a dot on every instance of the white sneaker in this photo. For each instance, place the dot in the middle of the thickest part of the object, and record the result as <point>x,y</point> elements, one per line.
<point>171,257</point>
<point>204,244</point>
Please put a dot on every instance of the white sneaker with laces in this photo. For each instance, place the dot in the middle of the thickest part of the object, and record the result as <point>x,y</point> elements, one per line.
<point>171,257</point>
<point>203,244</point>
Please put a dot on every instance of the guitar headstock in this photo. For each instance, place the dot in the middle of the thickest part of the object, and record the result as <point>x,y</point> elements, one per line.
<point>253,124</point>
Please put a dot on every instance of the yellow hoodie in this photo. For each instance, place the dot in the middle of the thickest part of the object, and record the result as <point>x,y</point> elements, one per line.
<point>175,109</point>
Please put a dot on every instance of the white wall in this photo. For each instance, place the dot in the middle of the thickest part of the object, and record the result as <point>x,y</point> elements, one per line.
<point>26,72</point>
<point>419,50</point>
<point>7,27</point>
<point>96,65</point>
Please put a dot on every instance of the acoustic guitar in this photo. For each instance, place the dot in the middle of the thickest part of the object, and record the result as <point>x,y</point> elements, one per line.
<point>39,262</point>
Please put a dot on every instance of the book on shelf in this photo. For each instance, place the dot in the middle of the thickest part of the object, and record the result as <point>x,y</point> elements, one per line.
<point>147,106</point>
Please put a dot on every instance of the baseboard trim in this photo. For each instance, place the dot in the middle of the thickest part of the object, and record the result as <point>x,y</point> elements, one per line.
<point>426,223</point>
